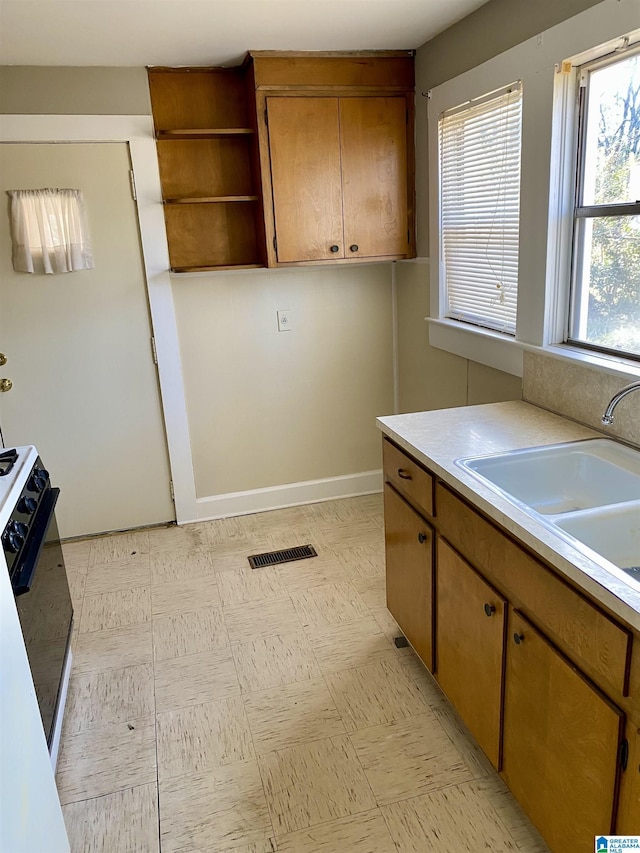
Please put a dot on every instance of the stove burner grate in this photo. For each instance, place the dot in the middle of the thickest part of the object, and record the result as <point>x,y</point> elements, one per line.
<point>7,461</point>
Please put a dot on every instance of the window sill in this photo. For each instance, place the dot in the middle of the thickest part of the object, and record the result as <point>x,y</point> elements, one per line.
<point>503,352</point>
<point>494,349</point>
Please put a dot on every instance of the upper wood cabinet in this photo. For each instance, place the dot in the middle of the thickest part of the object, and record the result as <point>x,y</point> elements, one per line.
<point>336,155</point>
<point>339,173</point>
<point>325,140</point>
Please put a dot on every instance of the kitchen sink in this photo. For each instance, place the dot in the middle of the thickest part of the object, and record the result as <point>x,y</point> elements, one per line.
<point>613,532</point>
<point>564,477</point>
<point>588,492</point>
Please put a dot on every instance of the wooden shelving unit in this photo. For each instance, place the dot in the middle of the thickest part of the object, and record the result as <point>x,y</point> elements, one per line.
<point>208,168</point>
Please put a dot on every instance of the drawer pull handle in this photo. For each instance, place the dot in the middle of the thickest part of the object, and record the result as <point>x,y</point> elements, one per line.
<point>353,248</point>
<point>335,249</point>
<point>404,475</point>
<point>489,609</point>
<point>518,638</point>
<point>422,538</point>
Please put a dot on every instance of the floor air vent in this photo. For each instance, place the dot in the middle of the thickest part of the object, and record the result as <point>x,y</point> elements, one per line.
<point>287,555</point>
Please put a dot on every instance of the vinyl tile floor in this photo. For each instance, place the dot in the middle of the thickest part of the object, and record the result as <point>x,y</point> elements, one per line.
<point>215,708</point>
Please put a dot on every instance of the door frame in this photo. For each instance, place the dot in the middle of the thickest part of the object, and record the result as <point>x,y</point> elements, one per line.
<point>137,132</point>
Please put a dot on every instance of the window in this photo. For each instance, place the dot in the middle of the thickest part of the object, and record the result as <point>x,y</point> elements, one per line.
<point>49,231</point>
<point>479,169</point>
<point>605,299</point>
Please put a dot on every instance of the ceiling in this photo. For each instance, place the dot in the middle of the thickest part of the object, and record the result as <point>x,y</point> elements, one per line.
<point>211,32</point>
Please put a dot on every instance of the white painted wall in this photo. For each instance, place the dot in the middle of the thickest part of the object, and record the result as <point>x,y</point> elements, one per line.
<point>268,408</point>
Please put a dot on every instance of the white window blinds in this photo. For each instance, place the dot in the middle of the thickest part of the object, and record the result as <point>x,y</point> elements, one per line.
<point>479,205</point>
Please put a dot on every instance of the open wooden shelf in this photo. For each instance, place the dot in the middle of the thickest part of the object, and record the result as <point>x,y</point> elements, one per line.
<point>219,199</point>
<point>205,125</point>
<point>204,132</point>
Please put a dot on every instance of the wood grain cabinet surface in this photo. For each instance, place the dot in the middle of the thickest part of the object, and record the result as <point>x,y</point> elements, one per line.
<point>561,742</point>
<point>335,136</point>
<point>628,819</point>
<point>471,616</point>
<point>408,478</point>
<point>339,175</point>
<point>207,155</point>
<point>409,571</point>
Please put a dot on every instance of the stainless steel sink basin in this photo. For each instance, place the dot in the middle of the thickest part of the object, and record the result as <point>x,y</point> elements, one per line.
<point>588,492</point>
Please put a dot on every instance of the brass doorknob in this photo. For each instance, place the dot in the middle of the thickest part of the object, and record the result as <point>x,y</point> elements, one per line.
<point>6,385</point>
<point>3,359</point>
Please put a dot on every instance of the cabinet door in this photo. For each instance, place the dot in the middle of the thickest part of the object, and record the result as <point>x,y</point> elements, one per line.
<point>470,628</point>
<point>374,176</point>
<point>561,742</point>
<point>628,820</point>
<point>409,569</point>
<point>304,147</point>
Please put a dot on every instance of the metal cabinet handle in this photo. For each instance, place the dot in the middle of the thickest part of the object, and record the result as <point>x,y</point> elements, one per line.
<point>518,638</point>
<point>335,248</point>
<point>6,385</point>
<point>422,538</point>
<point>353,248</point>
<point>404,475</point>
<point>489,609</point>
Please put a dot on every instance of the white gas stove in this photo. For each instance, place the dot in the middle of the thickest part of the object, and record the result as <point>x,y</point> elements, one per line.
<point>17,463</point>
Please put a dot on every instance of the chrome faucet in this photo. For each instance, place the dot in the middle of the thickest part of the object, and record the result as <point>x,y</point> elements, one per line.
<point>607,418</point>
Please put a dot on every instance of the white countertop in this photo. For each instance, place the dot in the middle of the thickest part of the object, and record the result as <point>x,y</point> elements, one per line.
<point>439,437</point>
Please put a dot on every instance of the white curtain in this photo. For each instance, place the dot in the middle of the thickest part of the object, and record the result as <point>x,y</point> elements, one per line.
<point>49,231</point>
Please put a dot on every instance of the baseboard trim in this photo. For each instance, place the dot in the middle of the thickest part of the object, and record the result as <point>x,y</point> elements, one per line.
<point>291,494</point>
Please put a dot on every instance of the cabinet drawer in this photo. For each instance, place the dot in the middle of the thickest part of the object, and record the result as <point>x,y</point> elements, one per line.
<point>408,477</point>
<point>588,636</point>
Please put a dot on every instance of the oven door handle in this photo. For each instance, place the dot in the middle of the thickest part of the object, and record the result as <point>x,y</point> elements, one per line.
<point>23,580</point>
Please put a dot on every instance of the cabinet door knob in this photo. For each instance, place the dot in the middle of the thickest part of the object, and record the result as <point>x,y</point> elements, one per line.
<point>353,248</point>
<point>518,638</point>
<point>335,248</point>
<point>404,475</point>
<point>489,609</point>
<point>422,537</point>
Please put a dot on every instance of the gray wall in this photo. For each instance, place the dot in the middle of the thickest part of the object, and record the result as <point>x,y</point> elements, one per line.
<point>490,30</point>
<point>38,90</point>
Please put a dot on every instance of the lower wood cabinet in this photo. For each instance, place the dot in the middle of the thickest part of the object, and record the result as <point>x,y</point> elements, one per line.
<point>471,622</point>
<point>409,557</point>
<point>628,822</point>
<point>544,678</point>
<point>561,742</point>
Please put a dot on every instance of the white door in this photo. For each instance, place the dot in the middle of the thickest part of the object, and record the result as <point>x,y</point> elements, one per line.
<point>78,346</point>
